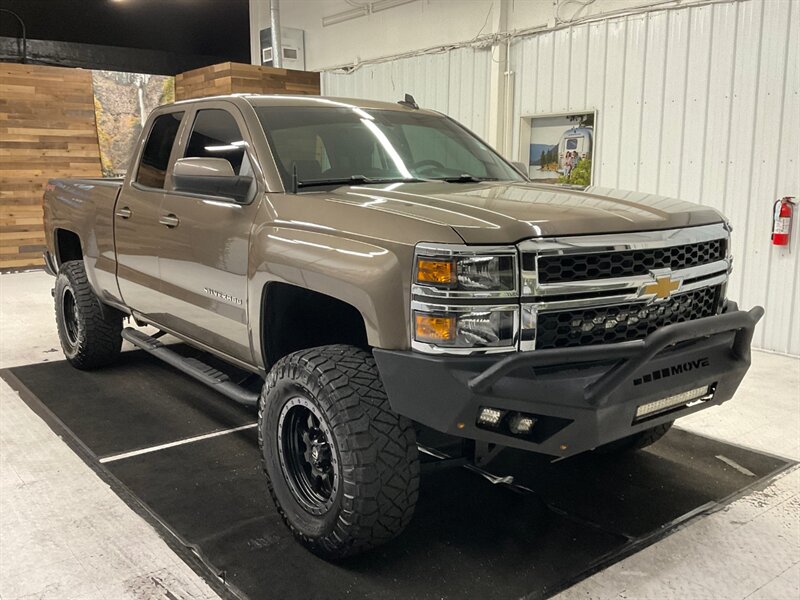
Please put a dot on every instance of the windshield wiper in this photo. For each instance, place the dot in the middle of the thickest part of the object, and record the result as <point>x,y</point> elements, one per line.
<point>355,180</point>
<point>466,178</point>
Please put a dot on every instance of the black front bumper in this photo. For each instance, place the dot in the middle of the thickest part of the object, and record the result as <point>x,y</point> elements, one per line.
<point>582,397</point>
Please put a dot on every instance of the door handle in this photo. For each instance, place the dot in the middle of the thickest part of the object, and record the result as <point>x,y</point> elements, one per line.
<point>124,213</point>
<point>170,220</point>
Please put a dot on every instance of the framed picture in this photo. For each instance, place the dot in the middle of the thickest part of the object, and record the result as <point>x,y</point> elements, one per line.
<point>561,148</point>
<point>122,102</point>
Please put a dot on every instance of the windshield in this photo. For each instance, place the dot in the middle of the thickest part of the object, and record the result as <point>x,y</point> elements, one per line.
<point>340,144</point>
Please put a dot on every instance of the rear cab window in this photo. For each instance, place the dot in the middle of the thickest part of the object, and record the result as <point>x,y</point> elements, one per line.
<point>152,171</point>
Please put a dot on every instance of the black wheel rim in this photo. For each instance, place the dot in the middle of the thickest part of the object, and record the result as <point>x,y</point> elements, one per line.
<point>69,309</point>
<point>308,456</point>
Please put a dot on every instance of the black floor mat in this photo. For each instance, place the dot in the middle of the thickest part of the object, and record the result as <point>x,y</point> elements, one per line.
<point>469,537</point>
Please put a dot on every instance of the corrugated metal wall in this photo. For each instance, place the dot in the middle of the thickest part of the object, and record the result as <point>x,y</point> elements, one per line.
<point>455,83</point>
<point>701,103</point>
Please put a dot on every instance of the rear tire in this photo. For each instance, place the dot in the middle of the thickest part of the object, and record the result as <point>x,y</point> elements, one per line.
<point>90,332</point>
<point>637,441</point>
<point>342,468</point>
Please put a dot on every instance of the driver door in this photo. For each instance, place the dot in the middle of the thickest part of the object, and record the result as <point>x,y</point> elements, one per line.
<point>203,258</point>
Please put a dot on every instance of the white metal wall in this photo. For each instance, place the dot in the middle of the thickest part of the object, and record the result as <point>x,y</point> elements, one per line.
<point>701,103</point>
<point>455,83</point>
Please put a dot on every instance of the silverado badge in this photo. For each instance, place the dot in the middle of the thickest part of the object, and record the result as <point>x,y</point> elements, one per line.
<point>223,296</point>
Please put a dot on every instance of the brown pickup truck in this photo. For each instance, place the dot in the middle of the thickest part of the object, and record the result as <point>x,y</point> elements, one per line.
<point>395,285</point>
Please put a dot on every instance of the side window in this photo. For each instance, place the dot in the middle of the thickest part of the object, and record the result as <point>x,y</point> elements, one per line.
<point>155,159</point>
<point>215,134</point>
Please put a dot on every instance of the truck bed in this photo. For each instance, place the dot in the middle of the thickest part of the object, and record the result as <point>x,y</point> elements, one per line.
<point>84,207</point>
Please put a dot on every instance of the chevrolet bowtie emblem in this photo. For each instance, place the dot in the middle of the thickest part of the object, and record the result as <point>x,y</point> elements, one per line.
<point>662,288</point>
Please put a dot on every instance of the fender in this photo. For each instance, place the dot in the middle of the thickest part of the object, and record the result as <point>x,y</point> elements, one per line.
<point>330,247</point>
<point>86,208</point>
<point>366,276</point>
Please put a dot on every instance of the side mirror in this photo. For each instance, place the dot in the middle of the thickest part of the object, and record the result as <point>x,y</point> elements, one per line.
<point>521,167</point>
<point>210,177</point>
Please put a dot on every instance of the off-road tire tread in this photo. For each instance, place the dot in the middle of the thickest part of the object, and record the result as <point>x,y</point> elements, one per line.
<point>100,334</point>
<point>380,467</point>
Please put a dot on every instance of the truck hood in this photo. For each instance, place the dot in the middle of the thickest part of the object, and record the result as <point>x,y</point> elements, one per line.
<point>502,213</point>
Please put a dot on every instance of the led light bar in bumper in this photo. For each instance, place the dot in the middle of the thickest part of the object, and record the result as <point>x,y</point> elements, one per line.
<point>659,406</point>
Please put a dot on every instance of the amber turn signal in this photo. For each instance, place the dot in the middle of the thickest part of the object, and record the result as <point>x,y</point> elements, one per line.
<point>438,272</point>
<point>434,329</point>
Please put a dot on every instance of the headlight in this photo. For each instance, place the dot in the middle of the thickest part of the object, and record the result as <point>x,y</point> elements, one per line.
<point>442,271</point>
<point>466,327</point>
<point>473,328</point>
<point>464,299</point>
<point>467,273</point>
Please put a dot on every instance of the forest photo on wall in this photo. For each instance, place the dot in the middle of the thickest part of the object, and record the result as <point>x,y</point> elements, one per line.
<point>122,102</point>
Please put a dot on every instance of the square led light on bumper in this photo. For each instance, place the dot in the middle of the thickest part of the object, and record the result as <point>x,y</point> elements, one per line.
<point>490,416</point>
<point>504,422</point>
<point>652,409</point>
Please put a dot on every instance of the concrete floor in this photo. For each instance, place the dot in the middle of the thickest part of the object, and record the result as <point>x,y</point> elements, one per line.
<point>64,534</point>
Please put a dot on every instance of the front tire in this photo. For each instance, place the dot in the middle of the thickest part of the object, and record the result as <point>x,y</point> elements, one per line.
<point>90,332</point>
<point>342,468</point>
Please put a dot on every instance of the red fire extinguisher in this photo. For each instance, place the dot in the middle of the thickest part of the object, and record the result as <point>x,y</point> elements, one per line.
<point>782,220</point>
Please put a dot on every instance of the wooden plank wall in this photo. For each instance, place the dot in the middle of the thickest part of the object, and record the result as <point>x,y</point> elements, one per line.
<point>47,129</point>
<point>232,78</point>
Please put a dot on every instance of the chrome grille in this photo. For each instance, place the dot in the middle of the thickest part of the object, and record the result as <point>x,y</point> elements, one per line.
<point>604,265</point>
<point>622,322</point>
<point>586,290</point>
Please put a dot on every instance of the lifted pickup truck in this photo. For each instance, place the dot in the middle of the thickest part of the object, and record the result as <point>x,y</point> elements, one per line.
<point>392,280</point>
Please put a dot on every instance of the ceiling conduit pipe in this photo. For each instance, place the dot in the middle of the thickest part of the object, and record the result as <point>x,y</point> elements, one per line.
<point>362,8</point>
<point>275,29</point>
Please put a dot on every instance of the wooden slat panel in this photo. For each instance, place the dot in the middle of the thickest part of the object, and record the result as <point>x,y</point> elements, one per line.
<point>47,129</point>
<point>231,78</point>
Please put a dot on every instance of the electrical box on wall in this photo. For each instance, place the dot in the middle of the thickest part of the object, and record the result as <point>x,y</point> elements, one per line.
<point>294,48</point>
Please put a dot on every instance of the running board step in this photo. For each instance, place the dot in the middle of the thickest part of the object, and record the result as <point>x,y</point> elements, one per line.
<point>202,372</point>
